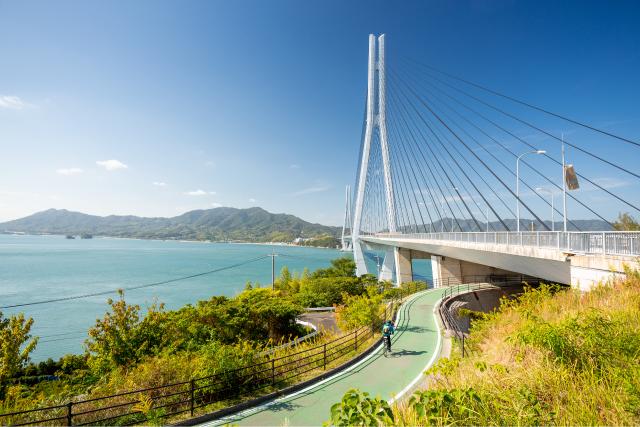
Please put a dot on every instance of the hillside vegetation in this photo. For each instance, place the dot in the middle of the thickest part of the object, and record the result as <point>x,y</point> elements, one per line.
<point>219,224</point>
<point>551,357</point>
<point>130,348</point>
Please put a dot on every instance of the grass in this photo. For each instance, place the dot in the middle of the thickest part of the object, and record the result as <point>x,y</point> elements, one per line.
<point>294,364</point>
<point>553,356</point>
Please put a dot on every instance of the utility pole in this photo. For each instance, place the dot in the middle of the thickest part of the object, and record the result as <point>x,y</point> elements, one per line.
<point>273,270</point>
<point>564,189</point>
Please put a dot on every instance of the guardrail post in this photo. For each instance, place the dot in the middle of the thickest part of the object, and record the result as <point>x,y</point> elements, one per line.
<point>192,387</point>
<point>273,371</point>
<point>324,356</point>
<point>604,245</point>
<point>70,414</point>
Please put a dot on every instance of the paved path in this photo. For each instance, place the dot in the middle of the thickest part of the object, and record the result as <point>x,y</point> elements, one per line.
<point>416,345</point>
<point>323,320</point>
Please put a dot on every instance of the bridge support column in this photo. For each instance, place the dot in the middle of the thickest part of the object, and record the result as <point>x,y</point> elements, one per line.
<point>386,272</point>
<point>404,272</point>
<point>358,257</point>
<point>445,271</point>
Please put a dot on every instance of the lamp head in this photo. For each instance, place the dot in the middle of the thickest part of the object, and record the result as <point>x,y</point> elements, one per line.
<point>541,152</point>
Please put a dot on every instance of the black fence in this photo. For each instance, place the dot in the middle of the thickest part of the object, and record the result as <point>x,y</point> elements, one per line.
<point>472,284</point>
<point>225,388</point>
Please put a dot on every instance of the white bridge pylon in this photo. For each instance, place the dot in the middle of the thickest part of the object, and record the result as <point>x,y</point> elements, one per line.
<point>375,121</point>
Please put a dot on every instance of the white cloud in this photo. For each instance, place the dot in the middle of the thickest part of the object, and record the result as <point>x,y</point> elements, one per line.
<point>69,171</point>
<point>111,165</point>
<point>200,193</point>
<point>216,205</point>
<point>12,102</point>
<point>294,166</point>
<point>611,182</point>
<point>159,184</point>
<point>252,200</point>
<point>310,190</point>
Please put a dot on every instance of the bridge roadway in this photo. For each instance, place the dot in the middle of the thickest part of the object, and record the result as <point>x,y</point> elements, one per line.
<point>416,345</point>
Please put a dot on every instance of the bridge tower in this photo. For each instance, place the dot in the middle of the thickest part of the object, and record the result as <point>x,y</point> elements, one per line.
<point>347,226</point>
<point>375,122</point>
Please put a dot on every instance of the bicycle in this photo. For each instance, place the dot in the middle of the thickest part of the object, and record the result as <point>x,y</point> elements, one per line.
<point>386,343</point>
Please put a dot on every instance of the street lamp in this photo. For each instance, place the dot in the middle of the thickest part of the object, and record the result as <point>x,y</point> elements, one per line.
<point>544,190</point>
<point>456,190</point>
<point>518,184</point>
<point>442,204</point>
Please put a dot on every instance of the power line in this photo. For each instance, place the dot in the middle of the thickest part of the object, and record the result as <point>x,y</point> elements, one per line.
<point>148,285</point>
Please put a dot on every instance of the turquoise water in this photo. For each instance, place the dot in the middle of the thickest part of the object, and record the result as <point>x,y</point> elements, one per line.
<point>35,268</point>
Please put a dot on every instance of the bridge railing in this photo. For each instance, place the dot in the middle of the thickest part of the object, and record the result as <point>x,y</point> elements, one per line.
<point>625,243</point>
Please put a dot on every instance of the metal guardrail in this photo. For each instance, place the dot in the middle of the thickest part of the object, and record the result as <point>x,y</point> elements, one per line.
<point>491,282</point>
<point>174,399</point>
<point>625,243</point>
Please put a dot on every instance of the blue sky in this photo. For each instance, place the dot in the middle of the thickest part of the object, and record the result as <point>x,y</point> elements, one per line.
<point>158,107</point>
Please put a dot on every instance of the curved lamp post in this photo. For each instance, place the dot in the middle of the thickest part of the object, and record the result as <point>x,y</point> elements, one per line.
<point>518,184</point>
<point>550,193</point>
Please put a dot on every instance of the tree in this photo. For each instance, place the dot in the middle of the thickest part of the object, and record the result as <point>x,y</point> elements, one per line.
<point>626,222</point>
<point>16,344</point>
<point>360,310</point>
<point>340,267</point>
<point>283,282</point>
<point>120,338</point>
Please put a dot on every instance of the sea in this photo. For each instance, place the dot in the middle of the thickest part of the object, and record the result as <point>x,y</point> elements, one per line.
<point>37,269</point>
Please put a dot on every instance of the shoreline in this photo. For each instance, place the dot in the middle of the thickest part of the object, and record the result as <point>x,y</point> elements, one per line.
<point>172,240</point>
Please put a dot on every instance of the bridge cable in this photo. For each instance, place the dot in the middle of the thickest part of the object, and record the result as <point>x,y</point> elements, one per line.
<point>451,120</point>
<point>480,160</point>
<point>567,143</point>
<point>420,169</point>
<point>433,96</point>
<point>461,183</point>
<point>486,89</point>
<point>401,162</point>
<point>431,130</point>
<point>415,180</point>
<point>408,161</point>
<point>423,102</point>
<point>437,181</point>
<point>546,155</point>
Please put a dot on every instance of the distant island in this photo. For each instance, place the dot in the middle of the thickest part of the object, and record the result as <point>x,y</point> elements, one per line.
<point>252,225</point>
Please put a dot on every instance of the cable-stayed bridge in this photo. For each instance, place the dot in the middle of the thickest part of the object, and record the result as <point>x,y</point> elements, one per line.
<point>480,183</point>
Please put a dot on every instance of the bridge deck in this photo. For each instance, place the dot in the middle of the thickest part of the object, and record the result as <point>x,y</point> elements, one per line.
<point>416,344</point>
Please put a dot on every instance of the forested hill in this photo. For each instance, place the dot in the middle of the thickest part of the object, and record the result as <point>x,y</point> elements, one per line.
<point>250,225</point>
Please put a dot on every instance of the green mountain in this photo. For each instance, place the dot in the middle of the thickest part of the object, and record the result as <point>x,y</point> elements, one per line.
<point>248,225</point>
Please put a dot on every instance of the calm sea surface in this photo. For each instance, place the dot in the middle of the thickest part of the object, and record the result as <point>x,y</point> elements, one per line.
<point>35,268</point>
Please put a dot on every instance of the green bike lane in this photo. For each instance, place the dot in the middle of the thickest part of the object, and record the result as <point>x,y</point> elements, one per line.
<point>415,346</point>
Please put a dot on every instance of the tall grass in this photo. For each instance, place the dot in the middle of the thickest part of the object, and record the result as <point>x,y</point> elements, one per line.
<point>552,356</point>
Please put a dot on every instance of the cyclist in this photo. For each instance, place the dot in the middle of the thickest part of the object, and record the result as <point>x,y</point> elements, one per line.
<point>388,329</point>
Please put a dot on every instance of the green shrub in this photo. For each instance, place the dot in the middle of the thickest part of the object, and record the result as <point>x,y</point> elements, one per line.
<point>361,310</point>
<point>358,409</point>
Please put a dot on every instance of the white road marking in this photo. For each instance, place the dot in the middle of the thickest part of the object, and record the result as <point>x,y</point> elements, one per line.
<point>248,412</point>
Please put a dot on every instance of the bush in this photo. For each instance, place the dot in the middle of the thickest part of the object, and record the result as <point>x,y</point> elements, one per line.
<point>361,310</point>
<point>358,409</point>
<point>15,346</point>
